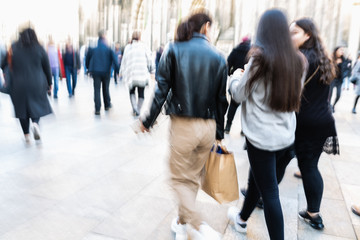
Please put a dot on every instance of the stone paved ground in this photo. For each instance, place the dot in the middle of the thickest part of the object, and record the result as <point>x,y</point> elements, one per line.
<point>92,178</point>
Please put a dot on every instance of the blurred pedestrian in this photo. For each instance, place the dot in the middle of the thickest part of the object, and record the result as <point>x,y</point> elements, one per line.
<point>192,77</point>
<point>72,65</point>
<point>356,76</point>
<point>346,72</point>
<point>237,59</point>
<point>31,81</point>
<point>136,66</point>
<point>315,122</point>
<point>98,62</point>
<point>118,55</point>
<point>340,64</point>
<point>54,64</point>
<point>157,58</point>
<point>270,91</point>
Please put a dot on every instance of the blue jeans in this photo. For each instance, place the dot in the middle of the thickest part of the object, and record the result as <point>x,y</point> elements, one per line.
<point>55,74</point>
<point>267,170</point>
<point>71,72</point>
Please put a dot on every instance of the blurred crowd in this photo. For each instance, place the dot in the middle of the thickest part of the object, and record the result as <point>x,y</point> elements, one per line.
<point>283,81</point>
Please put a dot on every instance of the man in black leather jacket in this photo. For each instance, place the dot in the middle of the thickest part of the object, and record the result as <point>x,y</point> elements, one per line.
<point>192,79</point>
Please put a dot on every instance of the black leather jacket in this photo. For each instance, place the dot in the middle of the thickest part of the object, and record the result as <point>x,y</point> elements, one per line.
<point>192,79</point>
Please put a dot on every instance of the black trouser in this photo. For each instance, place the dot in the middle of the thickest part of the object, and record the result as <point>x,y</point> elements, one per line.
<point>25,123</point>
<point>356,100</point>
<point>336,83</point>
<point>267,169</point>
<point>308,154</point>
<point>140,91</point>
<point>231,111</point>
<point>103,80</point>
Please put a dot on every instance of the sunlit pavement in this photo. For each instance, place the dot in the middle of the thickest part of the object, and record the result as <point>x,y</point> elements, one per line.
<point>92,178</point>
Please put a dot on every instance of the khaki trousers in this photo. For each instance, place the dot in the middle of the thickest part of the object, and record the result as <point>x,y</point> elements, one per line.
<point>191,140</point>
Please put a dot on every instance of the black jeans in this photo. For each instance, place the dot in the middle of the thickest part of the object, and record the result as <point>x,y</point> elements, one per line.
<point>140,91</point>
<point>231,111</point>
<point>308,154</point>
<point>267,170</point>
<point>336,83</point>
<point>25,123</point>
<point>103,80</point>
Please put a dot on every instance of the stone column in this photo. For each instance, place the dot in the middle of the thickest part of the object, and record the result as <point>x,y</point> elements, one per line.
<point>354,36</point>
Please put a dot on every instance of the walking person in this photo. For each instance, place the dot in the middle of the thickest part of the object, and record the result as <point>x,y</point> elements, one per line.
<point>72,66</point>
<point>270,91</point>
<point>315,122</point>
<point>192,77</point>
<point>237,59</point>
<point>136,66</point>
<point>54,64</point>
<point>157,58</point>
<point>356,75</point>
<point>118,55</point>
<point>340,63</point>
<point>98,62</point>
<point>31,81</point>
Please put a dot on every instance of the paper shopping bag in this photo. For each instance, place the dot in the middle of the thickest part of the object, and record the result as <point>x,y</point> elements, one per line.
<point>219,179</point>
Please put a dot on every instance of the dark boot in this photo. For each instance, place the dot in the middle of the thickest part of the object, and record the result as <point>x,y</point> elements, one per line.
<point>227,128</point>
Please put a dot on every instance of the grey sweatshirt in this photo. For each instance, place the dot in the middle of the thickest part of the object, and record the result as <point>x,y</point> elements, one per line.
<point>263,127</point>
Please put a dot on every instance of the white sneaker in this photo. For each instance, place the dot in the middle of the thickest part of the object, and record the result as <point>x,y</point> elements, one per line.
<point>205,233</point>
<point>233,215</point>
<point>36,131</point>
<point>27,138</point>
<point>179,229</point>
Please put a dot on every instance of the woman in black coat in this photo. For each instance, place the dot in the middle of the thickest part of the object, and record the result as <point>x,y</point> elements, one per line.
<point>31,81</point>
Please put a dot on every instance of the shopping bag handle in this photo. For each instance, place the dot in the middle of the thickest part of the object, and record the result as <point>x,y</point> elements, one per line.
<point>221,145</point>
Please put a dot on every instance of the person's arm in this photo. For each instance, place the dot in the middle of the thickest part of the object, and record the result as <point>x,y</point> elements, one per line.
<point>88,57</point>
<point>238,83</point>
<point>114,60</point>
<point>221,102</point>
<point>162,88</point>
<point>77,56</point>
<point>46,67</point>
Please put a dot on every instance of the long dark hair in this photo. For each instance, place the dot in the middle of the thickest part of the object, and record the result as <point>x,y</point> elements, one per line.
<point>326,67</point>
<point>277,62</point>
<point>334,58</point>
<point>193,24</point>
<point>28,37</point>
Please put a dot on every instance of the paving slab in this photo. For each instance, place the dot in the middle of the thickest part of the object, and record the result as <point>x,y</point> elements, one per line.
<point>92,178</point>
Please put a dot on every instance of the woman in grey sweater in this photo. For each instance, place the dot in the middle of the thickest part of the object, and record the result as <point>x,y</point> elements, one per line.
<point>269,90</point>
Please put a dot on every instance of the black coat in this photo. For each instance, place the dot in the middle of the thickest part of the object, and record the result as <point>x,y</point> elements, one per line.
<point>192,77</point>
<point>315,120</point>
<point>238,57</point>
<point>31,79</point>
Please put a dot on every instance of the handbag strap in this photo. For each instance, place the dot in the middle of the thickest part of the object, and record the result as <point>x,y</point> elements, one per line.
<point>308,80</point>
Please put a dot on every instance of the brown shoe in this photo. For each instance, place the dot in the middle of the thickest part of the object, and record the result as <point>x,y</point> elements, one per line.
<point>355,209</point>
